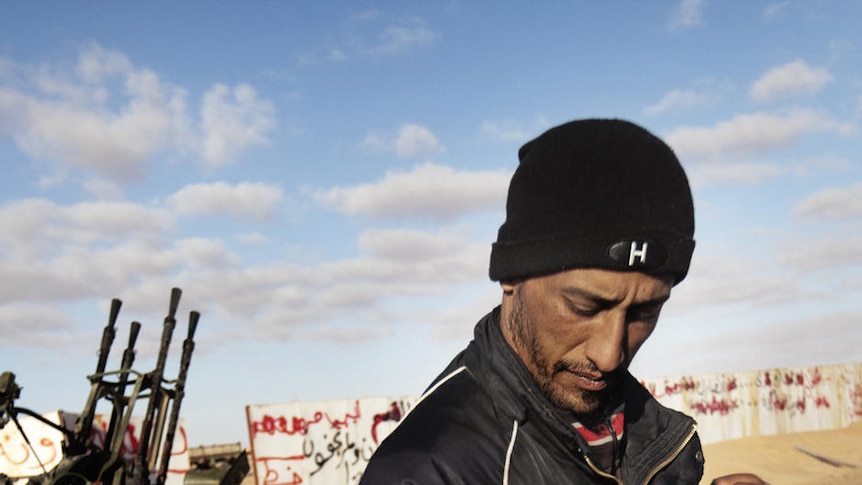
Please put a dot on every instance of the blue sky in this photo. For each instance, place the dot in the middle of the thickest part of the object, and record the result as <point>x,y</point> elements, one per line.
<point>324,181</point>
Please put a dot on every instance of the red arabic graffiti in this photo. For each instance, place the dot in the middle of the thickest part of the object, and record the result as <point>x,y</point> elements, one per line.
<point>684,385</point>
<point>394,414</point>
<point>777,403</point>
<point>816,377</point>
<point>275,466</point>
<point>720,406</point>
<point>299,425</point>
<point>783,390</point>
<point>129,446</point>
<point>856,400</point>
<point>15,453</point>
<point>10,453</point>
<point>320,444</point>
<point>731,384</point>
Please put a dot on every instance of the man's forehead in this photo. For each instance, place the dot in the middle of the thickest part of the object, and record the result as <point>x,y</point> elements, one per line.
<point>602,284</point>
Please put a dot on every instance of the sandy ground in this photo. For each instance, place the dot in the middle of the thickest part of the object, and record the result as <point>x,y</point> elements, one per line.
<point>776,459</point>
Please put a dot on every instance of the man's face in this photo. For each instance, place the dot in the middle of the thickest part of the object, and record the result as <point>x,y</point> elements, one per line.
<point>578,330</point>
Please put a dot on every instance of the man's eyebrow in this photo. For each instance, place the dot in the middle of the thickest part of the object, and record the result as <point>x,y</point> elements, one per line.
<point>589,295</point>
<point>609,302</point>
<point>659,300</point>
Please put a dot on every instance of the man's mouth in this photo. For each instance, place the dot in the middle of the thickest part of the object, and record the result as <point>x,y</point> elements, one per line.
<point>589,382</point>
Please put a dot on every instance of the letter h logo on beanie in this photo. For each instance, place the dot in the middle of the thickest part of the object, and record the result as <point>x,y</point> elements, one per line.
<point>596,193</point>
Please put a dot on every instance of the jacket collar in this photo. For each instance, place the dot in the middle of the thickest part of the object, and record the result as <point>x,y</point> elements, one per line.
<point>651,429</point>
<point>502,371</point>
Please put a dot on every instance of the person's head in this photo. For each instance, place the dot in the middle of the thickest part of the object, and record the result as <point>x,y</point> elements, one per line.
<point>599,227</point>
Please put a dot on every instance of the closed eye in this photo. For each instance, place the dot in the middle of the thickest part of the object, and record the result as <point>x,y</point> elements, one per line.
<point>585,308</point>
<point>584,312</point>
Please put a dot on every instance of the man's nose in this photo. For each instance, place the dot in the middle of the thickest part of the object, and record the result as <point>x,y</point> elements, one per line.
<point>606,344</point>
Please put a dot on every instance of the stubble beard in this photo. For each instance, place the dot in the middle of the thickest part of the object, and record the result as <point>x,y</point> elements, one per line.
<point>591,408</point>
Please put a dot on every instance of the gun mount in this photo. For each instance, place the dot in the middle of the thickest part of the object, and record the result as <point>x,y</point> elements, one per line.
<point>84,461</point>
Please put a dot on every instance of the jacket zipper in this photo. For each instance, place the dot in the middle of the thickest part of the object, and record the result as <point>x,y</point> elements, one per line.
<point>595,469</point>
<point>599,472</point>
<point>655,470</point>
<point>673,455</point>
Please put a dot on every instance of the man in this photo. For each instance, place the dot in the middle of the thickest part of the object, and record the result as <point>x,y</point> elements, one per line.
<point>599,228</point>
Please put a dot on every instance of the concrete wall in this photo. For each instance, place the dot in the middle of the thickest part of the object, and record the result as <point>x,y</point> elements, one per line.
<point>330,442</point>
<point>737,405</point>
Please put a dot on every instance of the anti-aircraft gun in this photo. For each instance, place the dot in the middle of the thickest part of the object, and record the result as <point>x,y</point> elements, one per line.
<point>85,461</point>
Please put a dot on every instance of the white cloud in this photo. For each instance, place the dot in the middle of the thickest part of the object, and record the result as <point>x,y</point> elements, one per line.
<point>59,253</point>
<point>416,141</point>
<point>108,117</point>
<point>512,131</point>
<point>53,179</point>
<point>428,191</point>
<point>829,255</point>
<point>747,135</point>
<point>337,55</point>
<point>715,277</point>
<point>204,253</point>
<point>232,120</point>
<point>775,9</point>
<point>836,203</point>
<point>794,342</point>
<point>78,273</point>
<point>68,120</point>
<point>97,64</point>
<point>732,172</point>
<point>680,99</point>
<point>840,50</point>
<point>103,188</point>
<point>245,200</point>
<point>819,164</point>
<point>411,141</point>
<point>792,79</point>
<point>688,13</point>
<point>373,142</point>
<point>25,324</point>
<point>404,262</point>
<point>281,300</point>
<point>252,238</point>
<point>38,225</point>
<point>117,220</point>
<point>277,300</point>
<point>94,270</point>
<point>735,281</point>
<point>379,37</point>
<point>752,173</point>
<point>408,245</point>
<point>366,15</point>
<point>398,39</point>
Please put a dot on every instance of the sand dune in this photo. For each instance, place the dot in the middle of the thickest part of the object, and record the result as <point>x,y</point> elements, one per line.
<point>777,460</point>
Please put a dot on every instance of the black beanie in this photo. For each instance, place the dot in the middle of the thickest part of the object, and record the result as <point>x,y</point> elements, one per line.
<point>596,193</point>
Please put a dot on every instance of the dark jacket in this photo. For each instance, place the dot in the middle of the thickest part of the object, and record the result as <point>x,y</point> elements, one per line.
<point>484,421</point>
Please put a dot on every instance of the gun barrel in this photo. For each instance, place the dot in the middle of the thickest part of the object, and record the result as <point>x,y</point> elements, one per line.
<point>120,393</point>
<point>179,393</point>
<point>85,422</point>
<point>108,335</point>
<point>156,391</point>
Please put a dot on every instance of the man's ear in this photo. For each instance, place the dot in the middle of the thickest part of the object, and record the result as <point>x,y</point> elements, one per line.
<point>508,287</point>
